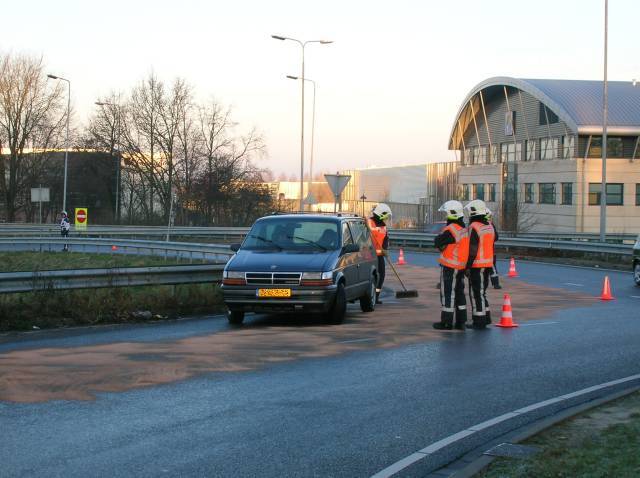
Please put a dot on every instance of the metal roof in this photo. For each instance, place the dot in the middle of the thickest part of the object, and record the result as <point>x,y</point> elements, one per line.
<point>576,102</point>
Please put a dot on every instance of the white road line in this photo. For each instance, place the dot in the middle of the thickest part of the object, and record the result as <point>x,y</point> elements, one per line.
<point>571,283</point>
<point>355,341</point>
<point>537,323</point>
<point>440,444</point>
<point>635,296</point>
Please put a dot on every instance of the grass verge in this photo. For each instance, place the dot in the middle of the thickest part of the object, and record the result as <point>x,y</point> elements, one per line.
<point>603,442</point>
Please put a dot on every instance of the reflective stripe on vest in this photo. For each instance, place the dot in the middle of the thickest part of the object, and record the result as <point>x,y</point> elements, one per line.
<point>456,255</point>
<point>486,236</point>
<point>378,233</point>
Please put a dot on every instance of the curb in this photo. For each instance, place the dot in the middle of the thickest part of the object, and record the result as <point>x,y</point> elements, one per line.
<point>475,461</point>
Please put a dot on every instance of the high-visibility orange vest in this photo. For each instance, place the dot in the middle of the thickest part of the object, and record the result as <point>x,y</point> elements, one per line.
<point>456,255</point>
<point>486,236</point>
<point>378,233</point>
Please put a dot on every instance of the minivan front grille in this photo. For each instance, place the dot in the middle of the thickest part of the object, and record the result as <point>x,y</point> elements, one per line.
<point>273,278</point>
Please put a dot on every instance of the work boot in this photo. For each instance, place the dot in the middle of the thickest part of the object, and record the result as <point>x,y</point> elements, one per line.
<point>478,322</point>
<point>461,319</point>
<point>495,282</point>
<point>378,301</point>
<point>487,317</point>
<point>446,321</point>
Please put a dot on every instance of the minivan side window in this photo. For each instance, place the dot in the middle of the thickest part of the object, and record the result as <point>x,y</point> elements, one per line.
<point>361,235</point>
<point>346,235</point>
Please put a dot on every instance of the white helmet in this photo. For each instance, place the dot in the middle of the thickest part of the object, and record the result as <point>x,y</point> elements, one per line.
<point>476,207</point>
<point>453,209</point>
<point>382,211</point>
<point>64,213</point>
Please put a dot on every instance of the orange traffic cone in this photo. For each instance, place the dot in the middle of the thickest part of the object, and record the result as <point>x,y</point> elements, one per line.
<point>401,260</point>
<point>506,320</point>
<point>114,248</point>
<point>512,269</point>
<point>606,290</point>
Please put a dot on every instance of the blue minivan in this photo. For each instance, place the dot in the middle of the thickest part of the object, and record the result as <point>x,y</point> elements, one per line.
<point>302,263</point>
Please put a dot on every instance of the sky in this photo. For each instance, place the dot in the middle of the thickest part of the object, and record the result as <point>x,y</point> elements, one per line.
<point>388,88</point>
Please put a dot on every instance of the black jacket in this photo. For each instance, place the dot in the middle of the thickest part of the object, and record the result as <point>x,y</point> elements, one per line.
<point>445,238</point>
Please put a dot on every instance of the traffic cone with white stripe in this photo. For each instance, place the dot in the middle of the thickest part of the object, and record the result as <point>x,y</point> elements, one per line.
<point>606,290</point>
<point>506,320</point>
<point>512,269</point>
<point>401,260</point>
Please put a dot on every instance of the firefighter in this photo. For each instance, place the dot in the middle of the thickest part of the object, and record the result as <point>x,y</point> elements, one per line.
<point>64,228</point>
<point>380,237</point>
<point>453,243</point>
<point>480,261</point>
<point>495,278</point>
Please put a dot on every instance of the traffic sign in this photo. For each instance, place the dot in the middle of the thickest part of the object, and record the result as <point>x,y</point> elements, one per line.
<point>337,182</point>
<point>82,218</point>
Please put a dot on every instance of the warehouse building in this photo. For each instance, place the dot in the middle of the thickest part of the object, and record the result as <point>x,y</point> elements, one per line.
<point>532,149</point>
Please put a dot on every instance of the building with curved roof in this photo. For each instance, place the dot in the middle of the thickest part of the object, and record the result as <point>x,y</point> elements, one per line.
<point>532,149</point>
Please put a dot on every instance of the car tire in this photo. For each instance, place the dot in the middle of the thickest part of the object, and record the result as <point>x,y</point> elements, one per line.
<point>636,273</point>
<point>235,317</point>
<point>368,301</point>
<point>338,309</point>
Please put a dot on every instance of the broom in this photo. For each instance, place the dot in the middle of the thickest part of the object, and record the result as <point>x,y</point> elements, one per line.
<point>405,293</point>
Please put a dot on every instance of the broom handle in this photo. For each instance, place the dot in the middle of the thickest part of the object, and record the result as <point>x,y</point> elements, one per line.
<point>395,272</point>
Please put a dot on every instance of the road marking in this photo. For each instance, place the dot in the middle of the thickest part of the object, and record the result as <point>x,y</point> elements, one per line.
<point>635,296</point>
<point>440,444</point>
<point>571,283</point>
<point>537,323</point>
<point>355,341</point>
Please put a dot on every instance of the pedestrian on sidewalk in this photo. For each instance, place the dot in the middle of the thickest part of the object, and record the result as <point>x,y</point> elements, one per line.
<point>65,226</point>
<point>453,243</point>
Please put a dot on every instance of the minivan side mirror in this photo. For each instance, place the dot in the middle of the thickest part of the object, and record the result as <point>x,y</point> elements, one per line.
<point>349,248</point>
<point>235,247</point>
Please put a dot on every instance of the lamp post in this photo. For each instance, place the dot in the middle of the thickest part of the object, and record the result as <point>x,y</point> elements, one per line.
<point>605,107</point>
<point>117,145</point>
<point>313,128</point>
<point>302,45</point>
<point>66,150</point>
<point>363,198</point>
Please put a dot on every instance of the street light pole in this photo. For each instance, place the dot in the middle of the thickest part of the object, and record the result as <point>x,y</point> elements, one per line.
<point>117,145</point>
<point>313,128</point>
<point>66,151</point>
<point>605,107</point>
<point>302,45</point>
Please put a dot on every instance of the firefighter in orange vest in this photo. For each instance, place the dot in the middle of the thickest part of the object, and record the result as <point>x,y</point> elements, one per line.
<point>380,237</point>
<point>453,243</point>
<point>480,261</point>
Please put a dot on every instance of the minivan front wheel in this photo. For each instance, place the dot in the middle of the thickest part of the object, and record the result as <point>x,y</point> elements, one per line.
<point>368,301</point>
<point>636,273</point>
<point>339,308</point>
<point>235,317</point>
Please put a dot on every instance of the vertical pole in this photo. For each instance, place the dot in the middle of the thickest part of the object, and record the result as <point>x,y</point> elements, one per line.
<point>40,201</point>
<point>603,192</point>
<point>302,136</point>
<point>66,150</point>
<point>313,133</point>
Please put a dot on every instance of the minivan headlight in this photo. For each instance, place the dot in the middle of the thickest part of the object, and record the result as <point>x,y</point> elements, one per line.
<point>232,275</point>
<point>317,275</point>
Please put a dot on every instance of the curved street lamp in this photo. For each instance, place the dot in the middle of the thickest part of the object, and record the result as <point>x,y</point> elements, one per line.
<point>66,150</point>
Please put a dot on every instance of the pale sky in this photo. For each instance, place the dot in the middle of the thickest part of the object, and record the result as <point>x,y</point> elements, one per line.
<point>388,88</point>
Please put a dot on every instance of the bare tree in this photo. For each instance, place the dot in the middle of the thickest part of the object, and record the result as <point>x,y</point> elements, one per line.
<point>30,112</point>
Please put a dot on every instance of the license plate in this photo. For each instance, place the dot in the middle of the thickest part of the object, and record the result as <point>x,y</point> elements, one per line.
<point>274,292</point>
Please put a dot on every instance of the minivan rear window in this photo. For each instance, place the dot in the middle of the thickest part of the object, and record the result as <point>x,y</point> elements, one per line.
<point>293,234</point>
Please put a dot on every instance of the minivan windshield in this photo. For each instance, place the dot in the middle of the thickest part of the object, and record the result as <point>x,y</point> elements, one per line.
<point>293,234</point>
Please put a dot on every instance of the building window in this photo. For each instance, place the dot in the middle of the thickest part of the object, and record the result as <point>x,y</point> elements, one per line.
<point>481,154</point>
<point>567,193</point>
<point>509,123</point>
<point>567,147</point>
<point>528,193</point>
<point>478,191</point>
<point>547,193</point>
<point>548,148</point>
<point>546,116</point>
<point>637,194</point>
<point>531,150</point>
<point>493,157</point>
<point>614,147</point>
<point>465,192</point>
<point>492,192</point>
<point>510,152</point>
<point>615,193</point>
<point>468,156</point>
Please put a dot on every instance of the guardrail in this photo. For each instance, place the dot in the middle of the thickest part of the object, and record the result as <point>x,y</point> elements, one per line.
<point>14,282</point>
<point>185,250</point>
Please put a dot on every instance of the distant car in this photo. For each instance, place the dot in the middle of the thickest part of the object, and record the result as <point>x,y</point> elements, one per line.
<point>302,263</point>
<point>434,227</point>
<point>636,261</point>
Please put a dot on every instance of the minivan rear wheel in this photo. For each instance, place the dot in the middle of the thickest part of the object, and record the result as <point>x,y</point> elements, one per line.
<point>339,308</point>
<point>636,273</point>
<point>368,301</point>
<point>235,317</point>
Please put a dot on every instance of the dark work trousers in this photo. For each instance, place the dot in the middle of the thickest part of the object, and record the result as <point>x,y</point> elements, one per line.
<point>65,233</point>
<point>478,282</point>
<point>381,273</point>
<point>452,291</point>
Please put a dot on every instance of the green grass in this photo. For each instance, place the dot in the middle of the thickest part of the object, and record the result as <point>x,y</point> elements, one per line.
<point>42,261</point>
<point>604,442</point>
<point>50,308</point>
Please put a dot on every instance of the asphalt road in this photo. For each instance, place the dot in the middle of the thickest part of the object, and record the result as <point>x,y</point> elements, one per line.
<point>347,415</point>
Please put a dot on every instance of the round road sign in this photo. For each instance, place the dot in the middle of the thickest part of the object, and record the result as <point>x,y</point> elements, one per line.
<point>81,215</point>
